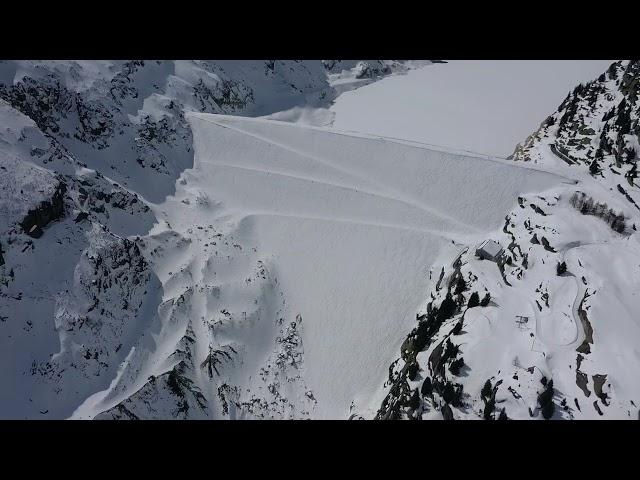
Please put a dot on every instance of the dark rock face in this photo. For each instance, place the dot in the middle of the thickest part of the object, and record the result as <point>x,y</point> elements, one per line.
<point>35,231</point>
<point>46,101</point>
<point>442,356</point>
<point>545,399</point>
<point>39,100</point>
<point>105,308</point>
<point>372,69</point>
<point>99,198</point>
<point>577,143</point>
<point>227,94</point>
<point>447,414</point>
<point>598,383</point>
<point>81,216</point>
<point>180,398</point>
<point>45,213</point>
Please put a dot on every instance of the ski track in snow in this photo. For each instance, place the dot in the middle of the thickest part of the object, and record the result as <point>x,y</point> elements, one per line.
<point>359,176</point>
<point>335,219</point>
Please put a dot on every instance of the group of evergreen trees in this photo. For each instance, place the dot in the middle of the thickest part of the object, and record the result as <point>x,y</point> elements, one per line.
<point>545,399</point>
<point>420,337</point>
<point>561,268</point>
<point>488,396</point>
<point>587,206</point>
<point>619,122</point>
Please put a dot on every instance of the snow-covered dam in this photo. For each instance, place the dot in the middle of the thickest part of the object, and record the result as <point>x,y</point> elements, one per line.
<point>348,225</point>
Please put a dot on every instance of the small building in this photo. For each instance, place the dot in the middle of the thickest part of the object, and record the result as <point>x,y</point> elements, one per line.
<point>489,250</point>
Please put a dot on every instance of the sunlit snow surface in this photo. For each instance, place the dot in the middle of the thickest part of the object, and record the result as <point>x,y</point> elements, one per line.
<point>484,106</point>
<point>344,230</point>
<point>349,225</point>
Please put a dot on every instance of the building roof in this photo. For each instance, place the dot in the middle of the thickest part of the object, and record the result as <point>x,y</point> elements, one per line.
<point>491,248</point>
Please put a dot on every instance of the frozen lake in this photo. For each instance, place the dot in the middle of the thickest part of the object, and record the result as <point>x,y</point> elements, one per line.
<point>484,106</point>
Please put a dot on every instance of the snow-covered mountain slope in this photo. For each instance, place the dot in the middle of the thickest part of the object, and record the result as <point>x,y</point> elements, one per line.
<point>161,261</point>
<point>344,76</point>
<point>482,106</point>
<point>284,225</point>
<point>557,333</point>
<point>73,293</point>
<point>86,150</point>
<point>127,118</point>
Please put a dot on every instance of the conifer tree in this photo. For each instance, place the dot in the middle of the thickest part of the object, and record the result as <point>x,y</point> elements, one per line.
<point>414,401</point>
<point>561,268</point>
<point>485,301</point>
<point>474,300</point>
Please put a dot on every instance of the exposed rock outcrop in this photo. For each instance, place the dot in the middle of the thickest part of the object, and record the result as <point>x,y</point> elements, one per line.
<point>48,211</point>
